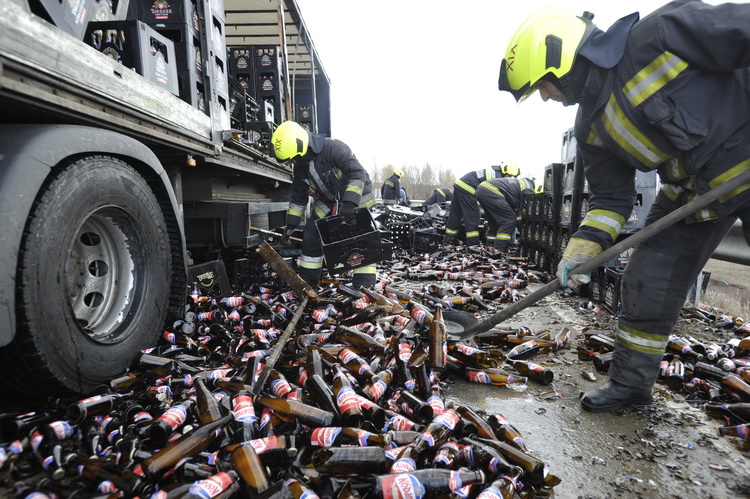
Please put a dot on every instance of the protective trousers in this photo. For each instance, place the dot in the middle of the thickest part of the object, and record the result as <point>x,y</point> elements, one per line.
<point>463,206</point>
<point>501,218</point>
<point>655,285</point>
<point>311,261</point>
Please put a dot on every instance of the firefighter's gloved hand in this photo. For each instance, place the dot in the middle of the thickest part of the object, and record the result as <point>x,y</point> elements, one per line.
<point>577,252</point>
<point>347,212</point>
<point>287,234</point>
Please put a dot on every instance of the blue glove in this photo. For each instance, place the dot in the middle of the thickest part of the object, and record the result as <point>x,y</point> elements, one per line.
<point>577,252</point>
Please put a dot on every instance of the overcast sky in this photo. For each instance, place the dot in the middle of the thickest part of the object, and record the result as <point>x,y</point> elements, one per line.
<point>415,81</point>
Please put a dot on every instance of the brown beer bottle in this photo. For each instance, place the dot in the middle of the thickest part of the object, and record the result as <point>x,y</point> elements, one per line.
<point>349,460</point>
<point>406,460</point>
<point>356,365</point>
<point>424,483</point>
<point>207,407</point>
<point>335,436</point>
<point>534,469</point>
<point>736,387</point>
<point>187,445</point>
<point>247,465</point>
<point>487,458</point>
<point>483,428</point>
<point>357,339</point>
<point>737,413</point>
<point>742,431</point>
<point>524,350</point>
<point>174,417</point>
<point>438,340</point>
<point>504,487</point>
<point>447,456</point>
<point>492,377</point>
<point>321,394</point>
<point>421,410</point>
<point>437,431</point>
<point>533,371</point>
<point>346,399</point>
<point>680,346</point>
<point>93,406</point>
<point>307,414</point>
<point>505,431</point>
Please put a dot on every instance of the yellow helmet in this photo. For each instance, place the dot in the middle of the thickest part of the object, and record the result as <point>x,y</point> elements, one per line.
<point>398,173</point>
<point>510,168</point>
<point>290,140</point>
<point>546,43</point>
<point>538,186</point>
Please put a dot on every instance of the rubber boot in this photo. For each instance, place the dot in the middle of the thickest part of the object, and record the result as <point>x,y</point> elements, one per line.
<point>632,375</point>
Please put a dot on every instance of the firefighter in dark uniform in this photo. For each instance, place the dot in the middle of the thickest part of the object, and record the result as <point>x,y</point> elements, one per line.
<point>391,190</point>
<point>667,93</point>
<point>438,196</point>
<point>327,171</point>
<point>500,198</point>
<point>464,204</point>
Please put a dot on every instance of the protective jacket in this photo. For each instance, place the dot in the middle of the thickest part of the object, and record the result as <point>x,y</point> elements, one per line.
<point>464,205</point>
<point>439,196</point>
<point>500,199</point>
<point>676,99</point>
<point>331,173</point>
<point>391,190</point>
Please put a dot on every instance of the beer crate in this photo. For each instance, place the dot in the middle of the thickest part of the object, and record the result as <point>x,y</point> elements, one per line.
<point>137,46</point>
<point>612,280</point>
<point>349,246</point>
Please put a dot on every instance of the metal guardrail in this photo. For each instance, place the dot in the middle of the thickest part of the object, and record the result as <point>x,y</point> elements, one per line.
<point>734,248</point>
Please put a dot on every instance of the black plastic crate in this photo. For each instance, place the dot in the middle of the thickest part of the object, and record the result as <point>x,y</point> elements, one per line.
<point>612,279</point>
<point>349,246</point>
<point>169,13</point>
<point>642,205</point>
<point>210,277</point>
<point>241,59</point>
<point>267,58</point>
<point>137,46</point>
<point>108,10</point>
<point>193,89</point>
<point>553,178</point>
<point>70,16</point>
<point>259,134</point>
<point>569,144</point>
<point>427,241</point>
<point>304,113</point>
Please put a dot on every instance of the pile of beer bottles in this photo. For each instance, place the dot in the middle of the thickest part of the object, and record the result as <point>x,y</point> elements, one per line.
<point>715,376</point>
<point>354,406</point>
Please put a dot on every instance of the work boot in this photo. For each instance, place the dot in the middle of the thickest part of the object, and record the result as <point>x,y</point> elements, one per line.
<point>613,395</point>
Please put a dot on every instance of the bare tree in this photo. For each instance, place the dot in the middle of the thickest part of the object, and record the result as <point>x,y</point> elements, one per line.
<point>419,182</point>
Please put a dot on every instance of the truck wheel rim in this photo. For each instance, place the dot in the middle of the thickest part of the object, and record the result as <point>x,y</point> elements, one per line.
<point>101,276</point>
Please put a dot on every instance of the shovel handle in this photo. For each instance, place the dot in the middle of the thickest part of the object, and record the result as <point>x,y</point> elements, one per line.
<point>647,232</point>
<point>270,233</point>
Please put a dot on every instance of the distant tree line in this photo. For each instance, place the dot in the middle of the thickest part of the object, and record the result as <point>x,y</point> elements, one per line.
<point>419,182</point>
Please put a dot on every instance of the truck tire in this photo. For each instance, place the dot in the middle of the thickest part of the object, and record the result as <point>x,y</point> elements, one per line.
<point>93,279</point>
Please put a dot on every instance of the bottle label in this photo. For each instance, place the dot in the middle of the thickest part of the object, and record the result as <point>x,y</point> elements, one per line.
<point>347,355</point>
<point>61,429</point>
<point>466,349</point>
<point>244,410</point>
<point>265,418</point>
<point>262,445</point>
<point>455,482</point>
<point>377,389</point>
<point>347,400</point>
<point>404,351</point>
<point>280,387</point>
<point>479,377</point>
<point>324,436</point>
<point>174,416</point>
<point>449,419</point>
<point>467,454</point>
<point>90,399</point>
<point>393,453</point>
<point>402,486</point>
<point>491,493</point>
<point>106,487</point>
<point>427,437</point>
<point>35,440</point>
<point>212,486</point>
<point>401,423</point>
<point>363,436</point>
<point>437,404</point>
<point>404,465</point>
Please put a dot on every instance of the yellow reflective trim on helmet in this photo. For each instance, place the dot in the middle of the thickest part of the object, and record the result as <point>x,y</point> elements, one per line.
<point>627,136</point>
<point>653,77</point>
<point>463,185</point>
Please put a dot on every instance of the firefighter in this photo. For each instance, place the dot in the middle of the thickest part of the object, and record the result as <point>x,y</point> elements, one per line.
<point>391,190</point>
<point>500,198</point>
<point>438,196</point>
<point>665,93</point>
<point>327,171</point>
<point>464,204</point>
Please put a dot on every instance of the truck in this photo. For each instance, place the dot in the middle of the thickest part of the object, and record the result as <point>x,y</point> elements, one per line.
<point>115,183</point>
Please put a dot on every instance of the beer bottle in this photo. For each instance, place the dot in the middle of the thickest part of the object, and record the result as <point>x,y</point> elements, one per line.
<point>602,361</point>
<point>420,314</point>
<point>436,400</point>
<point>736,413</point>
<point>447,456</point>
<point>245,425</point>
<point>220,485</point>
<point>742,431</point>
<point>277,450</point>
<point>93,406</point>
<point>533,371</point>
<point>406,460</point>
<point>534,469</point>
<point>403,437</point>
<point>247,465</point>
<point>380,384</point>
<point>356,365</point>
<point>675,373</point>
<point>349,460</point>
<point>374,414</point>
<point>357,339</point>
<point>524,350</point>
<point>438,340</point>
<point>472,357</point>
<point>278,384</point>
<point>399,422</point>
<point>421,410</point>
<point>95,471</point>
<point>492,377</point>
<point>188,445</point>
<point>437,431</point>
<point>494,336</point>
<point>345,398</point>
<point>483,428</point>
<point>736,387</point>
<point>601,342</point>
<point>424,482</point>
<point>320,393</point>
<point>678,345</point>
<point>504,487</point>
<point>402,359</point>
<point>335,436</point>
<point>207,406</point>
<point>419,355</point>
<point>505,431</point>
<point>306,414</point>
<point>166,424</point>
<point>300,490</point>
<point>487,458</point>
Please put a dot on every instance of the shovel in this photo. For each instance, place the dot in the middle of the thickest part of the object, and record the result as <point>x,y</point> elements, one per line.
<point>462,325</point>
